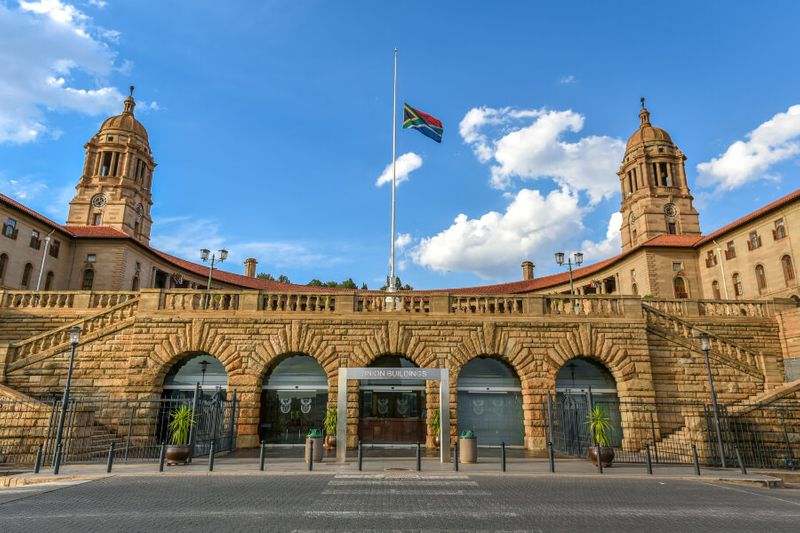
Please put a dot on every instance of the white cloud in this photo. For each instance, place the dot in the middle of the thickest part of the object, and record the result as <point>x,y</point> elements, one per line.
<point>775,140</point>
<point>608,247</point>
<point>528,144</point>
<point>493,245</point>
<point>43,46</point>
<point>406,164</point>
<point>21,189</point>
<point>98,3</point>
<point>568,80</point>
<point>402,240</point>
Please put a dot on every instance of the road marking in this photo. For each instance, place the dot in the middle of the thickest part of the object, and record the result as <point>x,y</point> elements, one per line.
<point>737,489</point>
<point>404,482</point>
<point>409,492</point>
<point>456,513</point>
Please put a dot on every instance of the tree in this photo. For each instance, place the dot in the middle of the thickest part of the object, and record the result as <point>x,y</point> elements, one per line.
<point>283,279</point>
<point>398,285</point>
<point>269,277</point>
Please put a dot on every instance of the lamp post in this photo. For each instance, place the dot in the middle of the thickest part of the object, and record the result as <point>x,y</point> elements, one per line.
<point>221,255</point>
<point>203,367</point>
<point>577,257</point>
<point>44,257</point>
<point>74,338</point>
<point>705,345</point>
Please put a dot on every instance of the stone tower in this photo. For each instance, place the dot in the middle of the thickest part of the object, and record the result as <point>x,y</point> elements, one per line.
<point>655,195</point>
<point>115,188</point>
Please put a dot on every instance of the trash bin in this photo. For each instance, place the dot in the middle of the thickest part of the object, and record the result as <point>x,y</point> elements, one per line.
<point>315,436</point>
<point>467,447</point>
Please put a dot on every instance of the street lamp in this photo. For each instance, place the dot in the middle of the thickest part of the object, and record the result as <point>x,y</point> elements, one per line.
<point>220,256</point>
<point>74,339</point>
<point>705,345</point>
<point>577,257</point>
<point>203,367</point>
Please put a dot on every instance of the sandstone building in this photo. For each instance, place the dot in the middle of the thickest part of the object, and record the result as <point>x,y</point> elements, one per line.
<point>152,328</point>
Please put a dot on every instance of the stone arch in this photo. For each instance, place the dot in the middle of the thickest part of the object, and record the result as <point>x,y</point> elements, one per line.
<point>191,368</point>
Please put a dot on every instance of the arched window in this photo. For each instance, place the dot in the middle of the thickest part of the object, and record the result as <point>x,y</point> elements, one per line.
<point>88,279</point>
<point>635,289</point>
<point>737,285</point>
<point>788,269</point>
<point>761,278</point>
<point>26,275</point>
<point>715,290</point>
<point>679,284</point>
<point>48,281</point>
<point>195,369</point>
<point>490,402</point>
<point>3,263</point>
<point>135,283</point>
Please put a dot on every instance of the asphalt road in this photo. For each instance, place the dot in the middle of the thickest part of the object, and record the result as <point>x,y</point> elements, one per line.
<point>396,502</point>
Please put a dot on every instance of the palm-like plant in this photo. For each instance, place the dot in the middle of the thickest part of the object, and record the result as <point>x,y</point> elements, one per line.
<point>331,419</point>
<point>435,422</point>
<point>180,425</point>
<point>600,426</point>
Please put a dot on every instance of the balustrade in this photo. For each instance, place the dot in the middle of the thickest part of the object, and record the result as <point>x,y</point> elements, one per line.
<point>584,306</point>
<point>380,302</point>
<point>37,300</point>
<point>487,305</point>
<point>189,300</point>
<point>298,302</point>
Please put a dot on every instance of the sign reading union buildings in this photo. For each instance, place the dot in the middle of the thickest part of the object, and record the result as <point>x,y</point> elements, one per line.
<point>394,373</point>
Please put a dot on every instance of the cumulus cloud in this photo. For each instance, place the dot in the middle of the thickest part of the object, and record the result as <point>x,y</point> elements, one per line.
<point>529,144</point>
<point>776,140</point>
<point>493,245</point>
<point>43,46</point>
<point>406,164</point>
<point>610,246</point>
<point>402,240</point>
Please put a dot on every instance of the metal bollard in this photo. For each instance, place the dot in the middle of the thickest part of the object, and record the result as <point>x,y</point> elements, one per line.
<point>57,461</point>
<point>739,458</point>
<point>419,459</point>
<point>696,460</point>
<point>455,457</point>
<point>261,456</point>
<point>552,457</point>
<point>311,455</point>
<point>161,456</point>
<point>647,459</point>
<point>38,464</point>
<point>211,457</point>
<point>599,460</point>
<point>110,461</point>
<point>503,456</point>
<point>360,457</point>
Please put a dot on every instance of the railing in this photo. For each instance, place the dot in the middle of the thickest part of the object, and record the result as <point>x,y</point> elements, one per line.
<point>106,299</point>
<point>733,354</point>
<point>201,300</point>
<point>287,302</point>
<point>721,308</point>
<point>59,338</point>
<point>64,299</point>
<point>398,301</point>
<point>584,305</point>
<point>491,305</point>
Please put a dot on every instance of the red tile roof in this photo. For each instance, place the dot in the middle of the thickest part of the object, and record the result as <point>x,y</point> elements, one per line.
<point>31,213</point>
<point>96,232</point>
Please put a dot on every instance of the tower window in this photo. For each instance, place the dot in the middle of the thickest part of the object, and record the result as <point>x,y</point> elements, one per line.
<point>105,164</point>
<point>97,219</point>
<point>672,229</point>
<point>115,163</point>
<point>665,181</point>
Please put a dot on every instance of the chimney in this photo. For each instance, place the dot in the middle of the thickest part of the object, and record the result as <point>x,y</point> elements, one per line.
<point>250,267</point>
<point>527,270</point>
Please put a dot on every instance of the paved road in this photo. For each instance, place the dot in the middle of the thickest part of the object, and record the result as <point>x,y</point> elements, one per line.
<point>397,502</point>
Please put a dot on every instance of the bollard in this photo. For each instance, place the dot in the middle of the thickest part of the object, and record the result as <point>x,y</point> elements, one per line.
<point>211,457</point>
<point>161,456</point>
<point>455,457</point>
<point>739,458</point>
<point>696,460</point>
<point>599,460</point>
<point>503,456</point>
<point>57,461</point>
<point>38,464</point>
<point>419,459</point>
<point>552,457</point>
<point>262,457</point>
<point>647,459</point>
<point>311,455</point>
<point>360,456</point>
<point>110,461</point>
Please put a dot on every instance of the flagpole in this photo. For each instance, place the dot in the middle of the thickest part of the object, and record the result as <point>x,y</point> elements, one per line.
<point>391,286</point>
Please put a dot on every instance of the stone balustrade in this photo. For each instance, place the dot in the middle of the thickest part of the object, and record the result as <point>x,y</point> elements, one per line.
<point>78,300</point>
<point>721,308</point>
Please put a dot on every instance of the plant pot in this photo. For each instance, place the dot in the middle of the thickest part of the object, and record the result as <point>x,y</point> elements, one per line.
<point>319,448</point>
<point>330,442</point>
<point>606,455</point>
<point>437,441</point>
<point>178,454</point>
<point>468,450</point>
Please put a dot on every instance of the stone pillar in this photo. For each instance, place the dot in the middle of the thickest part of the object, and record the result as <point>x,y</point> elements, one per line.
<point>248,394</point>
<point>250,267</point>
<point>149,299</point>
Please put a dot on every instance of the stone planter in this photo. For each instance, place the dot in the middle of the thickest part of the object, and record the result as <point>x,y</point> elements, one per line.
<point>178,454</point>
<point>606,456</point>
<point>319,448</point>
<point>468,450</point>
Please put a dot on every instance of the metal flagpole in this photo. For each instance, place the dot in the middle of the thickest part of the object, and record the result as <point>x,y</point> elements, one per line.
<point>391,286</point>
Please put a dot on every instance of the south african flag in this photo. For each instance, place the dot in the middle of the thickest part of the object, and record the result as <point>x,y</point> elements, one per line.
<point>426,124</point>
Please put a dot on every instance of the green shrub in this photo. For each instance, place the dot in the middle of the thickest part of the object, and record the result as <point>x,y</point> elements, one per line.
<point>435,421</point>
<point>180,425</point>
<point>331,420</point>
<point>600,426</point>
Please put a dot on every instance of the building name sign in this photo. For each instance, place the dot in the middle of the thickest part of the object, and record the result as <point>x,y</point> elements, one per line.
<point>394,373</point>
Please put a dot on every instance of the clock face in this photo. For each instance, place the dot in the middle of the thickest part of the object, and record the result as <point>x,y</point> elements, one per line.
<point>99,200</point>
<point>139,210</point>
<point>670,210</point>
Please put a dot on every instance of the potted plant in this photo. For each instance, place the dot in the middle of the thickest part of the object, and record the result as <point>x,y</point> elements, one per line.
<point>330,422</point>
<point>467,447</point>
<point>601,430</point>
<point>435,423</point>
<point>315,436</point>
<point>180,426</point>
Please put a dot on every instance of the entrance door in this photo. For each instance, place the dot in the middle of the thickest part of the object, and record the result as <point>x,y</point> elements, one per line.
<point>392,415</point>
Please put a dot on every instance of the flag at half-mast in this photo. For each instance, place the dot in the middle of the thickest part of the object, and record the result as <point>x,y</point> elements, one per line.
<point>424,123</point>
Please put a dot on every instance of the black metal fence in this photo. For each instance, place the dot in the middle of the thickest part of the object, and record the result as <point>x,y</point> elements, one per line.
<point>766,436</point>
<point>137,428</point>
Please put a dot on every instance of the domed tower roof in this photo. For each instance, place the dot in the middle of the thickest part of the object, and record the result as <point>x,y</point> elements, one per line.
<point>125,122</point>
<point>646,132</point>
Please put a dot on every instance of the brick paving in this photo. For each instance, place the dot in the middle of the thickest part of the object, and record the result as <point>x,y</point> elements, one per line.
<point>396,501</point>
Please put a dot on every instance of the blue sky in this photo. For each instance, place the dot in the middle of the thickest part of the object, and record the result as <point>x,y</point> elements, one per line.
<point>271,122</point>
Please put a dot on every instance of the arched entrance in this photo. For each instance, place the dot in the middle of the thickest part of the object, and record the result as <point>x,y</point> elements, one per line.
<point>196,369</point>
<point>490,402</point>
<point>392,411</point>
<point>294,396</point>
<point>581,384</point>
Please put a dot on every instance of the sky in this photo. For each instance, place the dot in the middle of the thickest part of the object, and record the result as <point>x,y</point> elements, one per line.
<point>271,122</point>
